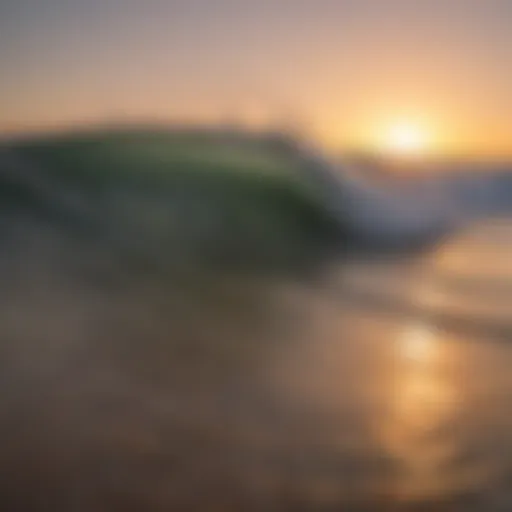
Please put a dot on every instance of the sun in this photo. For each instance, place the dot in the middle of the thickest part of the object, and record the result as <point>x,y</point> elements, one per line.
<point>405,139</point>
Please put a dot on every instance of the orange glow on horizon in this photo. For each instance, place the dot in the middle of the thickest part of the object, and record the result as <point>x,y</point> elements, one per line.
<point>405,139</point>
<point>417,137</point>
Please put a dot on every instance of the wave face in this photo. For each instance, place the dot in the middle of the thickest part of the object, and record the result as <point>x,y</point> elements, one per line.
<point>402,212</point>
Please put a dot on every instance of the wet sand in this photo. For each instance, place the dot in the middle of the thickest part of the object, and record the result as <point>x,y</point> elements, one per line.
<point>373,386</point>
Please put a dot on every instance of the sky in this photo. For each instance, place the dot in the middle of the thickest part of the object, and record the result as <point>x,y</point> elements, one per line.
<point>346,71</point>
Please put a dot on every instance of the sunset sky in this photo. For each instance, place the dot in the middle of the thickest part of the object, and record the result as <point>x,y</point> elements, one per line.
<point>350,71</point>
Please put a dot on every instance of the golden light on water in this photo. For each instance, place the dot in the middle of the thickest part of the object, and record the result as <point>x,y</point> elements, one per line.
<point>419,343</point>
<point>421,403</point>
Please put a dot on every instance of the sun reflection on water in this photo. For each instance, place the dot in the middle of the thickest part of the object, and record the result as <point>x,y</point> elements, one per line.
<point>422,402</point>
<point>419,343</point>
